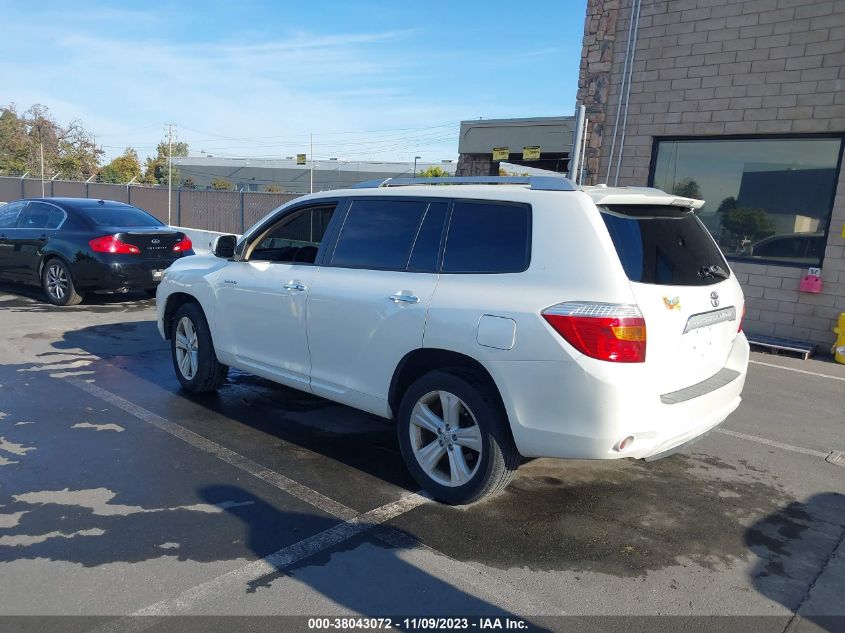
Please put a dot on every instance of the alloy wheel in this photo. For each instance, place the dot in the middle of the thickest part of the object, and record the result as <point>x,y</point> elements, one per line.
<point>57,281</point>
<point>445,438</point>
<point>187,348</point>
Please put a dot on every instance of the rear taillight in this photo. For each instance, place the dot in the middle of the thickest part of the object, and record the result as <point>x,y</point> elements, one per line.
<point>183,245</point>
<point>111,244</point>
<point>606,331</point>
<point>741,319</point>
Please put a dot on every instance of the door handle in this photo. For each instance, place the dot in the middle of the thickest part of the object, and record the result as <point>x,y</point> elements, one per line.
<point>404,298</point>
<point>294,285</point>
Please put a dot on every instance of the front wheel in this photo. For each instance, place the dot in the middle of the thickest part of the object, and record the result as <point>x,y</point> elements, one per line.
<point>58,284</point>
<point>192,351</point>
<point>455,437</point>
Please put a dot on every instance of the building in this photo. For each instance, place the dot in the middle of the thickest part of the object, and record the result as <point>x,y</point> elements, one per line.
<point>740,103</point>
<point>251,174</point>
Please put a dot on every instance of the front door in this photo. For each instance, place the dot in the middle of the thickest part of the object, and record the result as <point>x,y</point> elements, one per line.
<point>261,300</point>
<point>368,302</point>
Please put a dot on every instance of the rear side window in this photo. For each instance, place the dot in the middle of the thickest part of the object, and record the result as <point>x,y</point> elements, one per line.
<point>9,214</point>
<point>427,243</point>
<point>39,215</point>
<point>119,216</point>
<point>664,245</point>
<point>486,237</point>
<point>379,234</point>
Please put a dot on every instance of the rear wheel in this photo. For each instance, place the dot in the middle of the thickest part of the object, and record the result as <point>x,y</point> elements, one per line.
<point>455,438</point>
<point>192,351</point>
<point>58,284</point>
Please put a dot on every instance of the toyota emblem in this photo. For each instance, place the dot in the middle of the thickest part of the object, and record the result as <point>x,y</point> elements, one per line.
<point>156,241</point>
<point>714,299</point>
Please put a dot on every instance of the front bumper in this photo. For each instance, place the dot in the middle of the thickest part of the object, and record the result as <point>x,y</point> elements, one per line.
<point>557,409</point>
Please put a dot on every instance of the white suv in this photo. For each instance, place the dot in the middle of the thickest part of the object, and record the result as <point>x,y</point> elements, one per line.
<point>523,317</point>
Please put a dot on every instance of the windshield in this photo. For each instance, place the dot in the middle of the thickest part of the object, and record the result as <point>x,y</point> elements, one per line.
<point>664,245</point>
<point>122,216</point>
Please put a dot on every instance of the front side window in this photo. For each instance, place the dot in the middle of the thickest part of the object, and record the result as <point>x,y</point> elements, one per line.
<point>379,234</point>
<point>39,215</point>
<point>766,198</point>
<point>487,237</point>
<point>9,214</point>
<point>295,239</point>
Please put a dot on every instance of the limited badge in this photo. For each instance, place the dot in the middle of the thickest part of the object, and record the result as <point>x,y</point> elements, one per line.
<point>672,304</point>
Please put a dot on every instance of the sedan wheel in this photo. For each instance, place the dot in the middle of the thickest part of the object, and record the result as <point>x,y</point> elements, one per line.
<point>445,438</point>
<point>58,284</point>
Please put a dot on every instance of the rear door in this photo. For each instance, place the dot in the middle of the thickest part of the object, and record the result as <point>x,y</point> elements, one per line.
<point>9,214</point>
<point>368,302</point>
<point>37,225</point>
<point>691,301</point>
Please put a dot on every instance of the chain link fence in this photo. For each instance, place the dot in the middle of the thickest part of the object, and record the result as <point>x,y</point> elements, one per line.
<point>224,211</point>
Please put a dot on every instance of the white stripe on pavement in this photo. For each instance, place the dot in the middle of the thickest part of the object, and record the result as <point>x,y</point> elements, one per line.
<point>773,444</point>
<point>797,371</point>
<point>291,487</point>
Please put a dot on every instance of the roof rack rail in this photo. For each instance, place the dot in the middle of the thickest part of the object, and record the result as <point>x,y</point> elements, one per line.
<point>541,183</point>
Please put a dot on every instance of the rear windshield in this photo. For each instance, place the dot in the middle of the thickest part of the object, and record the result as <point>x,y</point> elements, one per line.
<point>123,217</point>
<point>664,245</point>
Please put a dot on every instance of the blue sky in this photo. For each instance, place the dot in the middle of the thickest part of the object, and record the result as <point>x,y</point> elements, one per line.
<point>371,80</point>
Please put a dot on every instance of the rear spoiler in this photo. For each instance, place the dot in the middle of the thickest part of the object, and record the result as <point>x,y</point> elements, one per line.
<point>639,195</point>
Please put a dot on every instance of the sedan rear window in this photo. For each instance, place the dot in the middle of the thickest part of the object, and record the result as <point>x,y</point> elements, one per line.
<point>664,245</point>
<point>122,216</point>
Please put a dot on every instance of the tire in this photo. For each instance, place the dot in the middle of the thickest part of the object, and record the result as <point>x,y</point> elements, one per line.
<point>57,283</point>
<point>192,351</point>
<point>488,470</point>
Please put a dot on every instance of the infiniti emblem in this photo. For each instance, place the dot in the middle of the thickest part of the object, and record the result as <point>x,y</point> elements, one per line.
<point>155,241</point>
<point>714,299</point>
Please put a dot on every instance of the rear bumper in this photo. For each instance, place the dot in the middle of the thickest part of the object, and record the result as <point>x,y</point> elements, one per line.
<point>114,273</point>
<point>557,409</point>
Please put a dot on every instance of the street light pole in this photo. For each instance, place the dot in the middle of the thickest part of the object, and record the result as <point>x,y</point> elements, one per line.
<point>169,168</point>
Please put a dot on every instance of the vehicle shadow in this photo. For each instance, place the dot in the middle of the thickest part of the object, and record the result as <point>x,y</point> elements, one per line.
<point>26,298</point>
<point>797,545</point>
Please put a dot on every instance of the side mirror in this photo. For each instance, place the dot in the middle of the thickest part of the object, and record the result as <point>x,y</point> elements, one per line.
<point>224,246</point>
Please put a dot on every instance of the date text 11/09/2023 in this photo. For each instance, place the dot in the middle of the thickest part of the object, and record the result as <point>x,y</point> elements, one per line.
<point>418,624</point>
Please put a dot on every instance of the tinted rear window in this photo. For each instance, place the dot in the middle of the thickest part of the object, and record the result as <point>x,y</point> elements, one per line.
<point>122,216</point>
<point>378,234</point>
<point>487,237</point>
<point>664,245</point>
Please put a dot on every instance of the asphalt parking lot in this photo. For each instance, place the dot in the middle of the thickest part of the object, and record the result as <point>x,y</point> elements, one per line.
<point>121,495</point>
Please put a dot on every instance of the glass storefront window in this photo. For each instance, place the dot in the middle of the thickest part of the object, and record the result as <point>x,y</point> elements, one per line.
<point>766,198</point>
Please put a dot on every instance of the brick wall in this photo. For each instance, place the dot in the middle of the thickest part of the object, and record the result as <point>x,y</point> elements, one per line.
<point>722,67</point>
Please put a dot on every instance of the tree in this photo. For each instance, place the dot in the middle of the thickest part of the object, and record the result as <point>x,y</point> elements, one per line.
<point>274,189</point>
<point>69,150</point>
<point>123,168</point>
<point>688,188</point>
<point>434,172</point>
<point>189,183</point>
<point>221,184</point>
<point>752,224</point>
<point>155,169</point>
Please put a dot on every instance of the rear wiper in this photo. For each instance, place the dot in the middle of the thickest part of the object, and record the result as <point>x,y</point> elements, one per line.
<point>712,271</point>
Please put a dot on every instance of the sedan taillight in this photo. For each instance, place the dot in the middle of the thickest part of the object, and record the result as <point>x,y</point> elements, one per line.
<point>111,244</point>
<point>606,331</point>
<point>183,245</point>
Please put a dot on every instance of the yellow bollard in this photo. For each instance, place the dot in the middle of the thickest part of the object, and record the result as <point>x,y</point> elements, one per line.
<point>839,346</point>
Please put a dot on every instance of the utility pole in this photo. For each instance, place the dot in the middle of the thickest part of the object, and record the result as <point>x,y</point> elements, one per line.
<point>41,146</point>
<point>169,168</point>
<point>312,163</point>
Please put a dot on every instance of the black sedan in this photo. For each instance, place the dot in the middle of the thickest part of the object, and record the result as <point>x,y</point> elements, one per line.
<point>70,246</point>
